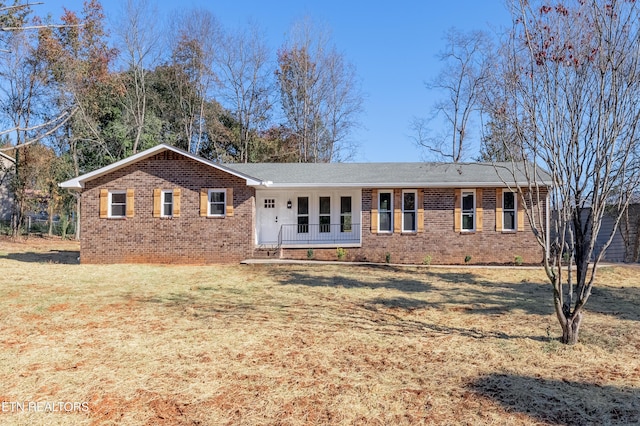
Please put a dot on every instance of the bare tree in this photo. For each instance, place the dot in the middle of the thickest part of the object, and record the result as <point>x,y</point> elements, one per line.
<point>246,83</point>
<point>139,40</point>
<point>195,37</point>
<point>466,64</point>
<point>574,75</point>
<point>319,92</point>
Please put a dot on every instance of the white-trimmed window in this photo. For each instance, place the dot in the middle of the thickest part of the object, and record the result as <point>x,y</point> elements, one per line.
<point>345,214</point>
<point>509,211</point>
<point>167,204</point>
<point>303,215</point>
<point>324,218</point>
<point>385,211</point>
<point>468,210</point>
<point>117,203</point>
<point>217,202</point>
<point>409,211</point>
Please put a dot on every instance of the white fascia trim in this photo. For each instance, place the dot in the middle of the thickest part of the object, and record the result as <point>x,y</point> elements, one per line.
<point>407,185</point>
<point>78,183</point>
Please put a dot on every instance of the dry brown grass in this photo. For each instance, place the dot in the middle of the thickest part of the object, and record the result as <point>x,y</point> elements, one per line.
<point>308,344</point>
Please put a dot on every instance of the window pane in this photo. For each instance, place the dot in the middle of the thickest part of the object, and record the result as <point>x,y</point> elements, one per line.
<point>118,198</point>
<point>345,204</point>
<point>118,210</point>
<point>409,221</point>
<point>345,223</point>
<point>303,224</point>
<point>167,209</point>
<point>325,223</point>
<point>168,197</point>
<point>325,205</point>
<point>385,221</point>
<point>409,201</point>
<point>217,209</point>
<point>509,220</point>
<point>385,201</point>
<point>509,201</point>
<point>345,214</point>
<point>467,221</point>
<point>467,201</point>
<point>216,197</point>
<point>303,205</point>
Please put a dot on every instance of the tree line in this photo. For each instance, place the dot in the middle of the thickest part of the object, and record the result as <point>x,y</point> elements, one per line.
<point>76,96</point>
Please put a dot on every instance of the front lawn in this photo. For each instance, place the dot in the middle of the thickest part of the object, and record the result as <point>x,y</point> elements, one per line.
<point>306,344</point>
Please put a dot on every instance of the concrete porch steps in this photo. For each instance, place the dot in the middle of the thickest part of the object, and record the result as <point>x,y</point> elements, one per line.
<point>266,253</point>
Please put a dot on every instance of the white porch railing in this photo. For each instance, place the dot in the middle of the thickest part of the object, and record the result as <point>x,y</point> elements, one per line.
<point>319,234</point>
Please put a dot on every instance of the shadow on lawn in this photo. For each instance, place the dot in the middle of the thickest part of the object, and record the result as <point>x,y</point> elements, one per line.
<point>463,292</point>
<point>621,302</point>
<point>472,294</point>
<point>401,282</point>
<point>394,319</point>
<point>561,402</point>
<point>66,257</point>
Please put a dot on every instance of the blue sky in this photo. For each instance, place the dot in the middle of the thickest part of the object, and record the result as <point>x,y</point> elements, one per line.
<point>393,47</point>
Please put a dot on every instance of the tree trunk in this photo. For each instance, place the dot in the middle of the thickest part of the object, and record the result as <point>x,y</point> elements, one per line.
<point>570,330</point>
<point>50,212</point>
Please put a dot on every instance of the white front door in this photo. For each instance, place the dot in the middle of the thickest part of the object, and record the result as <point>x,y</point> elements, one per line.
<point>271,214</point>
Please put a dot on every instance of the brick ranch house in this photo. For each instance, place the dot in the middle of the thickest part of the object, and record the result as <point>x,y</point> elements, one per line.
<point>165,205</point>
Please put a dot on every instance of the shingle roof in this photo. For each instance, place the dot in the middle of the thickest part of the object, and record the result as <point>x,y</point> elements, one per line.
<point>386,174</point>
<point>378,175</point>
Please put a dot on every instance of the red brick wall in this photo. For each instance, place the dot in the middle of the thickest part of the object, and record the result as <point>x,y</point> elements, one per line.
<point>185,239</point>
<point>439,239</point>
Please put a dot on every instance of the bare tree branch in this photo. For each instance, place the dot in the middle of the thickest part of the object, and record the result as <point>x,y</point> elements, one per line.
<point>466,60</point>
<point>572,75</point>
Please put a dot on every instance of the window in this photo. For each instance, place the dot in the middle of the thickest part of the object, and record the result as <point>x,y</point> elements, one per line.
<point>217,202</point>
<point>385,211</point>
<point>468,210</point>
<point>409,211</point>
<point>167,203</point>
<point>269,203</point>
<point>214,202</point>
<point>345,214</point>
<point>325,214</point>
<point>303,215</point>
<point>117,204</point>
<point>509,211</point>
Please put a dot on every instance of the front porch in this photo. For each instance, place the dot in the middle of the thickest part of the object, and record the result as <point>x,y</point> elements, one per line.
<point>320,235</point>
<point>308,218</point>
